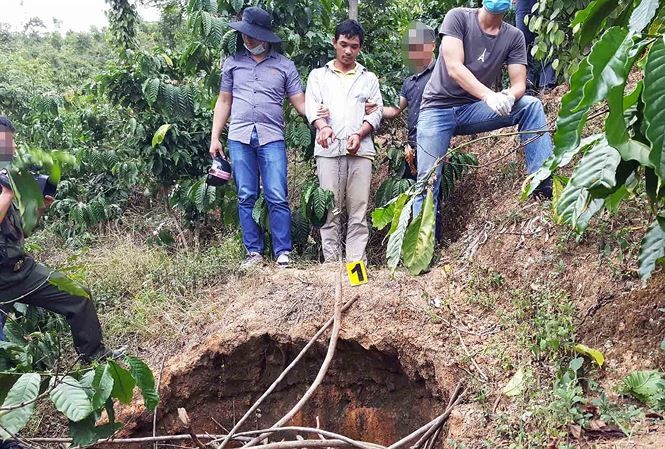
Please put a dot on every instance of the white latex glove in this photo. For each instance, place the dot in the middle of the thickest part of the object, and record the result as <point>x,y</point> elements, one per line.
<point>499,103</point>
<point>511,98</point>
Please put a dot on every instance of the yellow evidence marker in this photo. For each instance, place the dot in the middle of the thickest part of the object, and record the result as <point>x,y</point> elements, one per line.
<point>357,272</point>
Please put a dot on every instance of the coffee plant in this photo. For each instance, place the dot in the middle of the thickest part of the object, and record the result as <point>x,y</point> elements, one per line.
<point>628,156</point>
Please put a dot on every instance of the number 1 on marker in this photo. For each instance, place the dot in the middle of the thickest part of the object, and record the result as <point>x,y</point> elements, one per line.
<point>357,272</point>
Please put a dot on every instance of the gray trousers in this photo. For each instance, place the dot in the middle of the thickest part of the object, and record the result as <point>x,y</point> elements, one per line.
<point>349,178</point>
<point>29,285</point>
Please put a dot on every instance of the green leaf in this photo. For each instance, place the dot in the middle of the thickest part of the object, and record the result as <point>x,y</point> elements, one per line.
<point>28,196</point>
<point>159,136</point>
<point>597,168</point>
<point>322,200</point>
<point>652,248</point>
<point>145,381</point>
<point>123,383</point>
<point>561,157</point>
<point>151,90</point>
<point>654,105</point>
<point>67,285</point>
<point>592,353</point>
<point>516,385</point>
<point>614,200</point>
<point>633,150</point>
<point>571,204</point>
<point>70,398</point>
<point>643,385</point>
<point>609,59</point>
<point>394,249</point>
<point>237,5</point>
<point>102,385</point>
<point>651,186</point>
<point>590,20</point>
<point>576,364</point>
<point>206,22</point>
<point>418,247</point>
<point>85,433</point>
<point>389,215</point>
<point>642,15</point>
<point>383,216</point>
<point>24,391</point>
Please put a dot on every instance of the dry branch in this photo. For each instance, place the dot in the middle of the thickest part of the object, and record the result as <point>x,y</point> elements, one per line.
<point>455,398</point>
<point>324,366</point>
<point>284,373</point>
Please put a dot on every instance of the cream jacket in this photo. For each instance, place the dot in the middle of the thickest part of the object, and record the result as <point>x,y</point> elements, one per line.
<point>346,103</point>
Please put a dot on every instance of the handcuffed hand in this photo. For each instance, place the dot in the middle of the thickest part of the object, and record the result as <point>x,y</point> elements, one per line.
<point>325,136</point>
<point>353,143</point>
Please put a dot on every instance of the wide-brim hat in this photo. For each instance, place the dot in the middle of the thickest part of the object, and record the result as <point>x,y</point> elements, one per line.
<point>256,23</point>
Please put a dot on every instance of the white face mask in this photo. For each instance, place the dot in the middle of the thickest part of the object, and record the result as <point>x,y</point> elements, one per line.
<point>258,50</point>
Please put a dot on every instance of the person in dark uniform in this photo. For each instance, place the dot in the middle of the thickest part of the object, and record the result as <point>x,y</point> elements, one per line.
<point>421,42</point>
<point>24,280</point>
<point>540,74</point>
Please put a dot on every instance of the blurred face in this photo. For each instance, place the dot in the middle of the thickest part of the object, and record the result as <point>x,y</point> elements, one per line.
<point>420,54</point>
<point>7,148</point>
<point>347,49</point>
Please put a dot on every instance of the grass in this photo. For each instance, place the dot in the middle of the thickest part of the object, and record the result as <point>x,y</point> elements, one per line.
<point>146,293</point>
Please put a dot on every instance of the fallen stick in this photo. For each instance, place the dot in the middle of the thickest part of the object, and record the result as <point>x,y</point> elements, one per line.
<point>283,375</point>
<point>305,443</point>
<point>438,423</point>
<point>139,439</point>
<point>324,366</point>
<point>154,415</point>
<point>457,395</point>
<point>320,432</point>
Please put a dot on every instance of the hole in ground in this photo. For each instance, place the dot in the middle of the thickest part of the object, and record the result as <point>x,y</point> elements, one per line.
<point>366,394</point>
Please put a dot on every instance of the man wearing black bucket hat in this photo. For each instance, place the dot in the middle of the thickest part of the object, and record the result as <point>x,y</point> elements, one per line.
<point>24,280</point>
<point>255,82</point>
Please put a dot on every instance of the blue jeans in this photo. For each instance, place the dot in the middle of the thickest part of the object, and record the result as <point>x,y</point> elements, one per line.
<point>268,162</point>
<point>436,126</point>
<point>540,73</point>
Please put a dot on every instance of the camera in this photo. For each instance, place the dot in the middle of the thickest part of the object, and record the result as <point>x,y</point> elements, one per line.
<point>220,172</point>
<point>47,187</point>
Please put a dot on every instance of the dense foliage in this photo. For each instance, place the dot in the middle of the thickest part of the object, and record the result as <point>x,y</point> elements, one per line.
<point>628,157</point>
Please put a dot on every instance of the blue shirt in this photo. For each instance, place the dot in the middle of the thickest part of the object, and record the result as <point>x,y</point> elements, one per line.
<point>259,90</point>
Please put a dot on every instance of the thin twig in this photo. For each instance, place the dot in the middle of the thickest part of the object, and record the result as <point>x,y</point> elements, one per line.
<point>284,373</point>
<point>154,416</point>
<point>480,371</point>
<point>324,366</point>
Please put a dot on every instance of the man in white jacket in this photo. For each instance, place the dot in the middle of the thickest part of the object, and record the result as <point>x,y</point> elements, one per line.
<point>344,148</point>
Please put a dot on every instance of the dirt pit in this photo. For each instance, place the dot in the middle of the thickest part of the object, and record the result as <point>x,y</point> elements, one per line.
<point>365,395</point>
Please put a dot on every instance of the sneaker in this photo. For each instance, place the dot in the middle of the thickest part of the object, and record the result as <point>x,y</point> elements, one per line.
<point>544,190</point>
<point>251,260</point>
<point>284,260</point>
